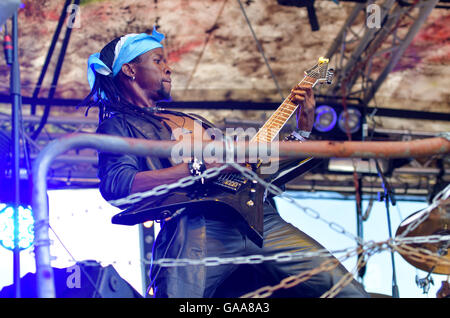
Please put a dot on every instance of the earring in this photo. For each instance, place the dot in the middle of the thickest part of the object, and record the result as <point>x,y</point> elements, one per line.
<point>133,78</point>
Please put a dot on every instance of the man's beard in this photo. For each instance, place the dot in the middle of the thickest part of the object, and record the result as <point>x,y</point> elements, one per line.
<point>163,94</point>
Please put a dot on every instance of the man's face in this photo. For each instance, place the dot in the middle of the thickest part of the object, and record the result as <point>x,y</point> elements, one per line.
<point>153,75</point>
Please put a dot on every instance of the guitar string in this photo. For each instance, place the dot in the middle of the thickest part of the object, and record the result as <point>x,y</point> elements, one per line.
<point>267,132</point>
<point>267,126</point>
<point>277,116</point>
<point>285,105</point>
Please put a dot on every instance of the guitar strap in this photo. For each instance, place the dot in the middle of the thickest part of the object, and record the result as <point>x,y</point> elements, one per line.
<point>202,119</point>
<point>162,132</point>
<point>151,132</point>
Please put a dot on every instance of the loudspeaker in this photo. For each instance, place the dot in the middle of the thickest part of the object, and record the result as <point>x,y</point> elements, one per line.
<point>87,279</point>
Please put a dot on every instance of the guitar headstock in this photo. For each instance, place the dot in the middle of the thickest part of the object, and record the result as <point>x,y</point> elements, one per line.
<point>320,73</point>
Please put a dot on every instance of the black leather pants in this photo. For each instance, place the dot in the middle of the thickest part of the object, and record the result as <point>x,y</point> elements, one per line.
<point>216,234</point>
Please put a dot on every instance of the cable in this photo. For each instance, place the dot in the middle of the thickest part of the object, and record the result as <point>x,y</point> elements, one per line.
<point>8,47</point>
<point>49,54</point>
<point>95,285</point>
<point>204,45</point>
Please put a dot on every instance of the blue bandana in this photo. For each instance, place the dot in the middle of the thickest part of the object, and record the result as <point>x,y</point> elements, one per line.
<point>128,48</point>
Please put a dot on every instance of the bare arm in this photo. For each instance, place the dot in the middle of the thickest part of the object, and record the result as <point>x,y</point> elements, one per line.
<point>304,96</point>
<point>147,180</point>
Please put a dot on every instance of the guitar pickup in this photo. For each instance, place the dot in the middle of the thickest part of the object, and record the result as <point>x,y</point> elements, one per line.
<point>229,185</point>
<point>231,181</point>
<point>232,184</point>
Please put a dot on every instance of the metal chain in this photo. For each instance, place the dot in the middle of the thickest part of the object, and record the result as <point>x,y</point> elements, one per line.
<point>326,266</point>
<point>369,248</point>
<point>249,174</point>
<point>420,255</point>
<point>250,259</point>
<point>421,239</point>
<point>345,280</point>
<point>307,210</point>
<point>294,280</point>
<point>413,225</point>
<point>165,188</point>
<point>438,200</point>
<point>213,172</point>
<point>445,135</point>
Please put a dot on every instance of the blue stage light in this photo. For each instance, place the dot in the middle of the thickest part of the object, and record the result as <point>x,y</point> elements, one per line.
<point>26,227</point>
<point>325,118</point>
<point>353,120</point>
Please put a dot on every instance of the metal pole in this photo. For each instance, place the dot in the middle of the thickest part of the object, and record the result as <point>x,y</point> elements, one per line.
<point>388,196</point>
<point>346,74</point>
<point>359,226</point>
<point>348,23</point>
<point>142,147</point>
<point>395,293</point>
<point>16,104</point>
<point>49,55</point>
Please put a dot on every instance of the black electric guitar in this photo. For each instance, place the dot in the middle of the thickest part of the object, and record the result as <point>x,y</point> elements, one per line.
<point>232,190</point>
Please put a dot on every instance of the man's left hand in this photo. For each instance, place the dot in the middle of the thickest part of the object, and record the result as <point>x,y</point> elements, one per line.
<point>304,97</point>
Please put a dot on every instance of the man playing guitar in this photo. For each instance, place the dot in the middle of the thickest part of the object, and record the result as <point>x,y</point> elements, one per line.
<point>128,78</point>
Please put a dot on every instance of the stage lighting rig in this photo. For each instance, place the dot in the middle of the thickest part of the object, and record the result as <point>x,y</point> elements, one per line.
<point>350,121</point>
<point>26,227</point>
<point>325,118</point>
<point>309,4</point>
<point>333,123</point>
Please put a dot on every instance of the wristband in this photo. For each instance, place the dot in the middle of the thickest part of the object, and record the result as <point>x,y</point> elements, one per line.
<point>305,134</point>
<point>295,136</point>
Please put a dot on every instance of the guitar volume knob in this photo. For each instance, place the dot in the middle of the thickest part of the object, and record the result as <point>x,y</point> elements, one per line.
<point>165,214</point>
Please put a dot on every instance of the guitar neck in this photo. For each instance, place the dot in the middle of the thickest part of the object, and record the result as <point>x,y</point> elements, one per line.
<point>269,131</point>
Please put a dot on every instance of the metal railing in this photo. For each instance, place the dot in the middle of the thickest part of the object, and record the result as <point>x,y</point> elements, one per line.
<point>140,147</point>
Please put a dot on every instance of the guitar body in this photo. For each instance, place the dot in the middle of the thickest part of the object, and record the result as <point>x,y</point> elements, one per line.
<point>247,201</point>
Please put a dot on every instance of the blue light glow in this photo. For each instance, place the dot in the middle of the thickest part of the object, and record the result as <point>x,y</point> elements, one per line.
<point>26,226</point>
<point>353,120</point>
<point>325,118</point>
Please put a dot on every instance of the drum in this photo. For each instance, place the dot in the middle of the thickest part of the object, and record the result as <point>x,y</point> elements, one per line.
<point>434,220</point>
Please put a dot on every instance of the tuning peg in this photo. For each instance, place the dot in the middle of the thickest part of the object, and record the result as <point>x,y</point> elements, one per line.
<point>323,60</point>
<point>330,74</point>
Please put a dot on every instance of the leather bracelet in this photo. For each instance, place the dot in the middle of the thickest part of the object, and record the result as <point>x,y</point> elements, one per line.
<point>294,136</point>
<point>196,167</point>
<point>305,134</point>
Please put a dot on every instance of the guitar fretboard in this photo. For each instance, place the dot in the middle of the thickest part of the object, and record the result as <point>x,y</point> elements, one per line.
<point>282,114</point>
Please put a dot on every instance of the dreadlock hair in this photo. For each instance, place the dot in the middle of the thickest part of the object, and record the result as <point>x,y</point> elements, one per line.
<point>106,93</point>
